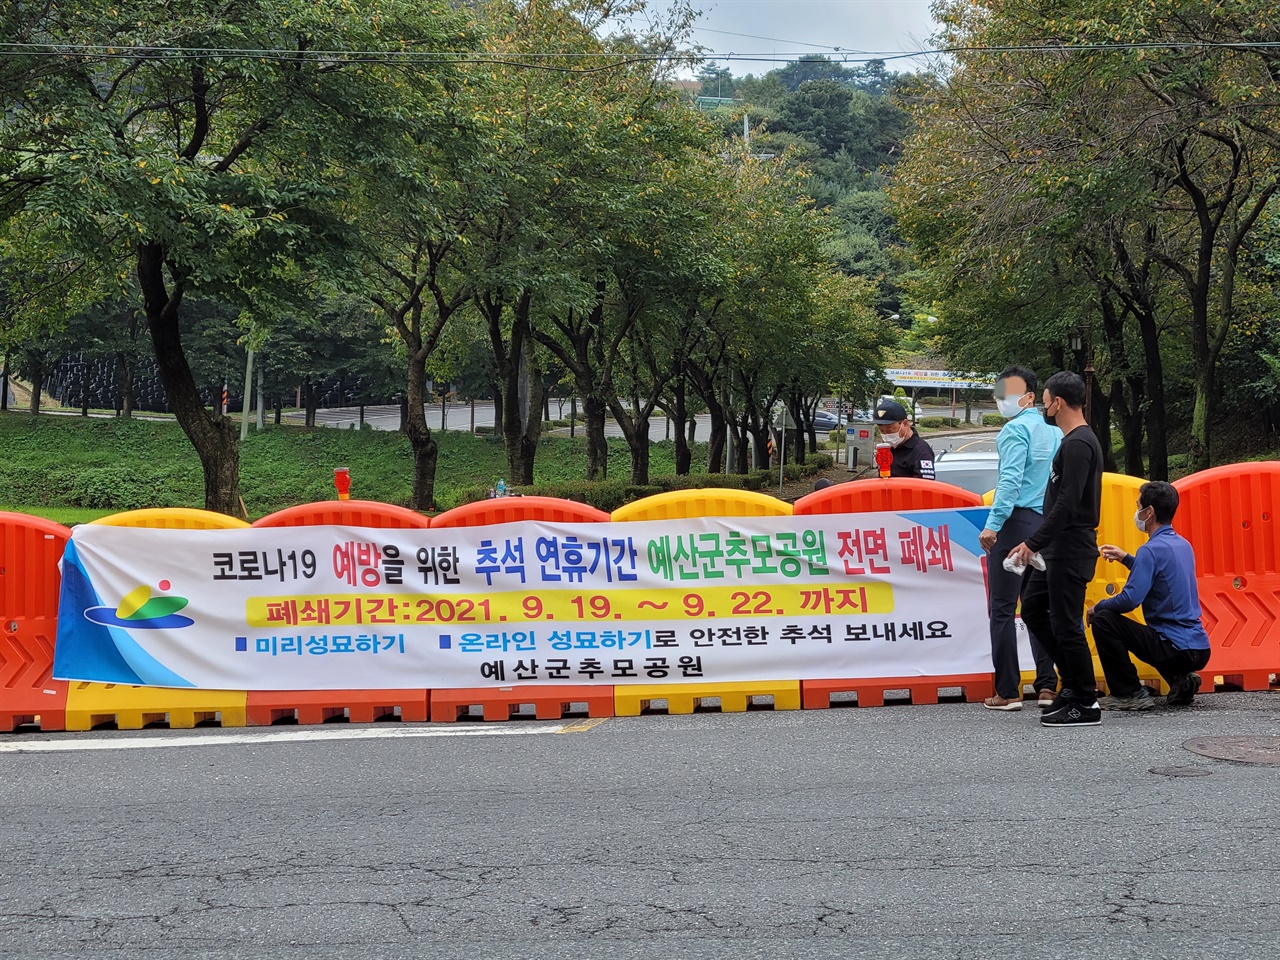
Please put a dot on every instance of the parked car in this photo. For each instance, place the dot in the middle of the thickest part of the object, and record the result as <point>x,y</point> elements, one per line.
<point>972,470</point>
<point>824,421</point>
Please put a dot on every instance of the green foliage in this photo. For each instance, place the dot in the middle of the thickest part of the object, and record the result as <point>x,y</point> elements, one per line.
<point>938,423</point>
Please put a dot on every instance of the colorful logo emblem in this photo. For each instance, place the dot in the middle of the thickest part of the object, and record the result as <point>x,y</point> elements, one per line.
<point>141,611</point>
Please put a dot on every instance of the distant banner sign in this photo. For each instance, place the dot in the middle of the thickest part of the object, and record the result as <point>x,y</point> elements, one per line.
<point>700,600</point>
<point>943,379</point>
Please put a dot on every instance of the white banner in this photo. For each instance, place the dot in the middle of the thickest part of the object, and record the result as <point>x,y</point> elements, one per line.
<point>703,600</point>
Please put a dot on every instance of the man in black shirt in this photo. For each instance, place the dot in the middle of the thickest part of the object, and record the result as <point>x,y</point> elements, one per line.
<point>1067,539</point>
<point>912,456</point>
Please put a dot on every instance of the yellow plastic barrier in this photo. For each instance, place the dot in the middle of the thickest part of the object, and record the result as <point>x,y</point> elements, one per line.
<point>629,701</point>
<point>682,504</point>
<point>988,498</point>
<point>172,518</point>
<point>684,697</point>
<point>131,708</point>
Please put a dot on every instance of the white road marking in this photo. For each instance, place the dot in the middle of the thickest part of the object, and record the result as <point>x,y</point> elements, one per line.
<point>315,734</point>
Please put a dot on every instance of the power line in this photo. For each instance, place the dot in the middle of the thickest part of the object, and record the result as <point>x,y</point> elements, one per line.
<point>527,59</point>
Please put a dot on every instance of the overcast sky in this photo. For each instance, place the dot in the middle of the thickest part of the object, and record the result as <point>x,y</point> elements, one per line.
<point>788,28</point>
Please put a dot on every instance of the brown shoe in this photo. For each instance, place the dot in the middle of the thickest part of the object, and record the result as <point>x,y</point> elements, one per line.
<point>1045,700</point>
<point>1000,703</point>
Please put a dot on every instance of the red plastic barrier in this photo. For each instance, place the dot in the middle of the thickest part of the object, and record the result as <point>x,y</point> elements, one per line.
<point>30,549</point>
<point>347,513</point>
<point>816,694</point>
<point>869,496</point>
<point>501,703</point>
<point>266,707</point>
<point>515,509</point>
<point>1229,516</point>
<point>550,701</point>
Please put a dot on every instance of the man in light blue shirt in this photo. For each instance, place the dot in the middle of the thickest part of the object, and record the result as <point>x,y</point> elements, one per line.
<point>1026,446</point>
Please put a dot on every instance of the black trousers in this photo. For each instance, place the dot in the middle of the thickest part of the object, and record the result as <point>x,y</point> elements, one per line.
<point>1003,592</point>
<point>1116,636</point>
<point>1053,610</point>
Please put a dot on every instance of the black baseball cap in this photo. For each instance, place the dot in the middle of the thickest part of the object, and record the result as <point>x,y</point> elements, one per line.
<point>890,412</point>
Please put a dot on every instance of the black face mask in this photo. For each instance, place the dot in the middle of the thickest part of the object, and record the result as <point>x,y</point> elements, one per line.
<point>1051,421</point>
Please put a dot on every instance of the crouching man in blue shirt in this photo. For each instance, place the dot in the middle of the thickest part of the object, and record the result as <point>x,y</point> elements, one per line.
<point>1162,580</point>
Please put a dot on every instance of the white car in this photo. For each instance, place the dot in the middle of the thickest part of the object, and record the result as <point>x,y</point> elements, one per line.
<point>975,471</point>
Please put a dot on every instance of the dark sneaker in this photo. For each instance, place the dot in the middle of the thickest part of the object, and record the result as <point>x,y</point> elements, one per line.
<point>1142,700</point>
<point>1183,690</point>
<point>1063,697</point>
<point>1074,714</point>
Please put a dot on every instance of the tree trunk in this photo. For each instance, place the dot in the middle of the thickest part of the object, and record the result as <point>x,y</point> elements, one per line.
<point>279,404</point>
<point>213,436</point>
<point>310,401</point>
<point>37,385</point>
<point>124,382</point>
<point>594,410</point>
<point>636,430</point>
<point>4,386</point>
<point>1102,425</point>
<point>683,455</point>
<point>84,386</point>
<point>424,445</point>
<point>716,441</point>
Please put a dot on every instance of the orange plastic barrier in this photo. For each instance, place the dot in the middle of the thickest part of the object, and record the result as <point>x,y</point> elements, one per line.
<point>550,701</point>
<point>816,694</point>
<point>515,509</point>
<point>30,549</point>
<point>1229,516</point>
<point>869,496</point>
<point>347,513</point>
<point>266,707</point>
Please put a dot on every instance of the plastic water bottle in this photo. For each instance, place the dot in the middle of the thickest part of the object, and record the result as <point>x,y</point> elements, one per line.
<point>501,488</point>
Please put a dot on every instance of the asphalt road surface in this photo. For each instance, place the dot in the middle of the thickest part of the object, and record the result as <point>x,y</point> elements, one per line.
<point>904,831</point>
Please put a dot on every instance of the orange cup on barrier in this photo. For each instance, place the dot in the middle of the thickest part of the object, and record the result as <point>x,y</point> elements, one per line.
<point>884,459</point>
<point>342,482</point>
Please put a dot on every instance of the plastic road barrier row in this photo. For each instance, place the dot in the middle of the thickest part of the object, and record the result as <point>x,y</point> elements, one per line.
<point>1228,515</point>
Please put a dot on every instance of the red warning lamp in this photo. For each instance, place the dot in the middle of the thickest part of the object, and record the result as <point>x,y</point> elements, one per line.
<point>884,459</point>
<point>342,482</point>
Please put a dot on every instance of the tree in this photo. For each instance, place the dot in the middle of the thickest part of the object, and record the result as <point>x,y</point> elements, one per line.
<point>209,171</point>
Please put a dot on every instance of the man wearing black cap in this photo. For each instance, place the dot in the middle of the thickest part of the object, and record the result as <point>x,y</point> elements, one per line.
<point>912,456</point>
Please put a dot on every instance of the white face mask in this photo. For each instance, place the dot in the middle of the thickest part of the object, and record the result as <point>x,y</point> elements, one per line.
<point>1137,522</point>
<point>894,439</point>
<point>1009,407</point>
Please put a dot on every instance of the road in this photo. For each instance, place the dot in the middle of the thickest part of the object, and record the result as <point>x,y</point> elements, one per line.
<point>905,831</point>
<point>457,416</point>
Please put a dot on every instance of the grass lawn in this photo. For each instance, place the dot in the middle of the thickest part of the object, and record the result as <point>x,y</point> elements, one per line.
<point>72,469</point>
